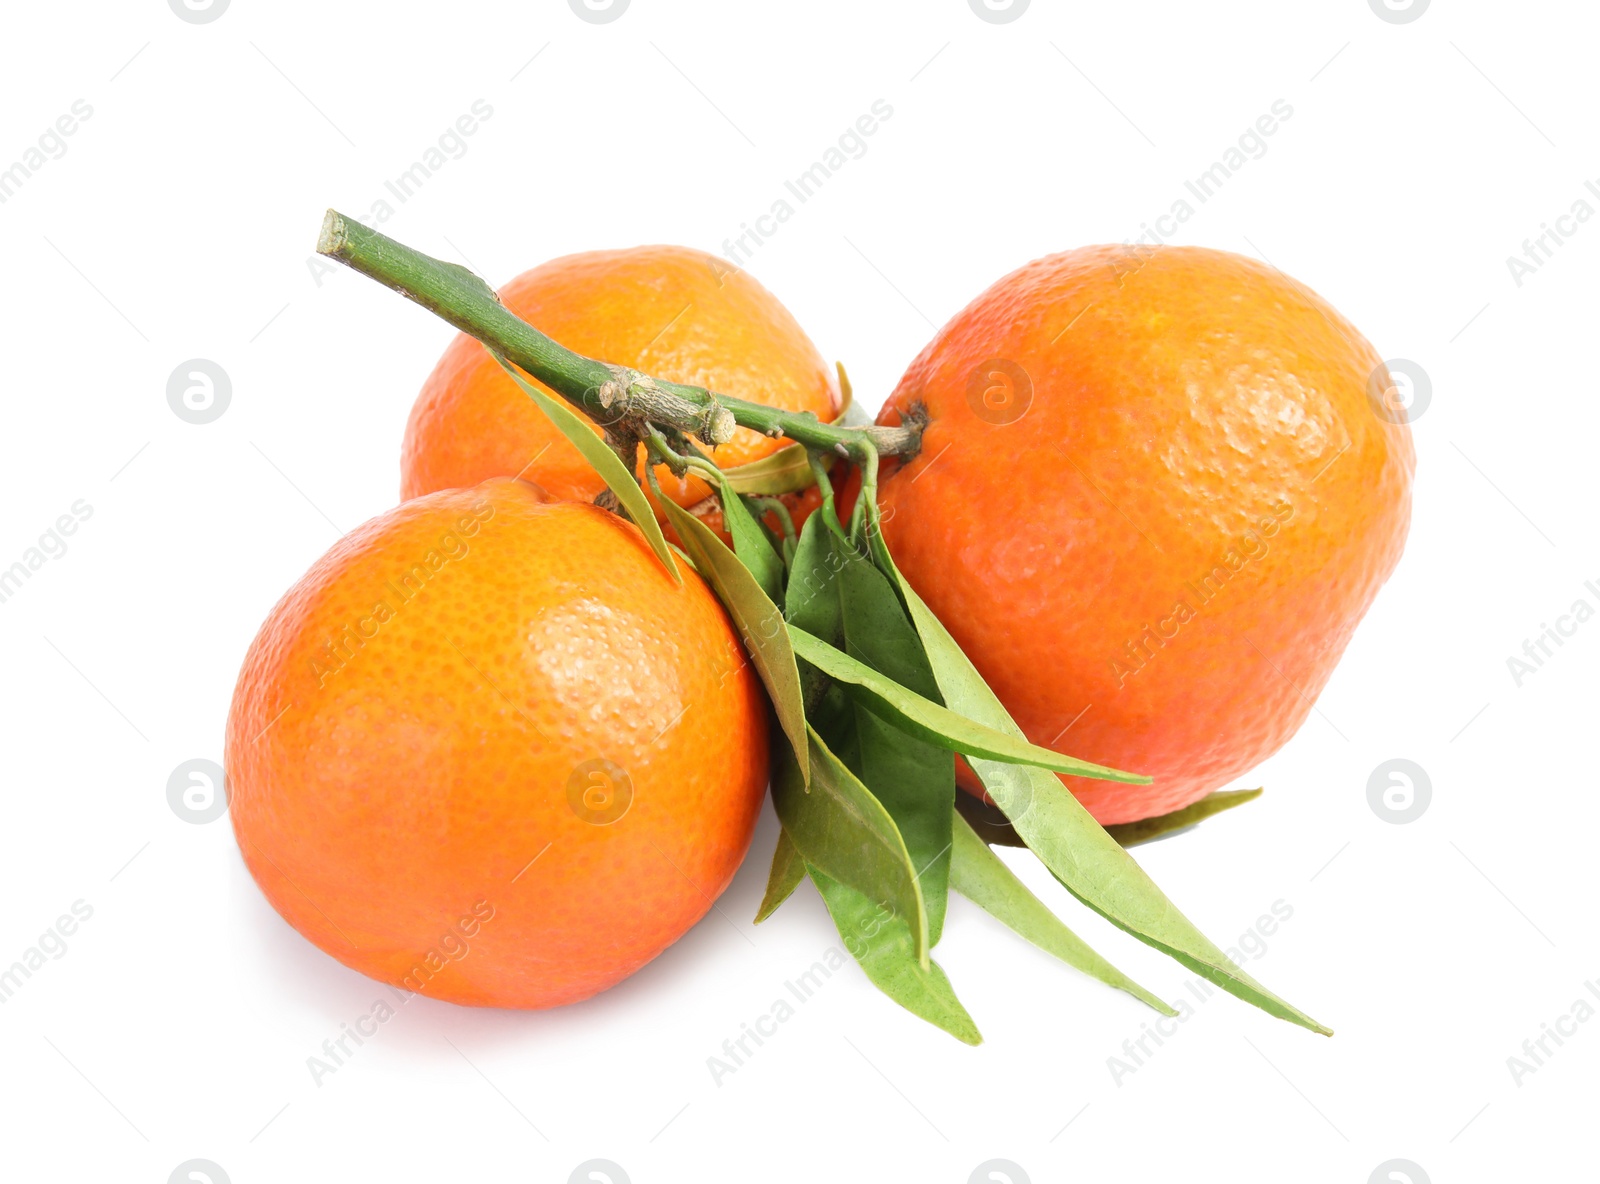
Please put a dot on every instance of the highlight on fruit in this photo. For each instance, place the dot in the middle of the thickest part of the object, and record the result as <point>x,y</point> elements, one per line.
<point>505,743</point>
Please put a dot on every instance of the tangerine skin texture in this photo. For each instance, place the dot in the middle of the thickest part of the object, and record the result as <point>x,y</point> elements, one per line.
<point>404,802</point>
<point>1192,410</point>
<point>671,312</point>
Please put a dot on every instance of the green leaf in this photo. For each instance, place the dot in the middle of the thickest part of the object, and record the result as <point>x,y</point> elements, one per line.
<point>617,476</point>
<point>834,718</point>
<point>881,941</point>
<point>783,471</point>
<point>915,780</point>
<point>916,783</point>
<point>751,544</point>
<point>833,590</point>
<point>788,869</point>
<point>937,724</point>
<point>983,878</point>
<point>987,822</point>
<point>811,600</point>
<point>877,631</point>
<point>854,416</point>
<point>1147,830</point>
<point>1072,844</point>
<point>758,620</point>
<point>683,558</point>
<point>842,830</point>
<point>994,828</point>
<point>851,414</point>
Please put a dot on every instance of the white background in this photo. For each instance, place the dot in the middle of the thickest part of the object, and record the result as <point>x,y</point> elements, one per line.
<point>179,223</point>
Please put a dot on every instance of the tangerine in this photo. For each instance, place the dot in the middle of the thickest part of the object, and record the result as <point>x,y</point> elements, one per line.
<point>488,750</point>
<point>1157,490</point>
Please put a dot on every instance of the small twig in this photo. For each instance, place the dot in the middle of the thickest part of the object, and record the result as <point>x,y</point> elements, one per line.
<point>775,507</point>
<point>868,495</point>
<point>608,394</point>
<point>830,515</point>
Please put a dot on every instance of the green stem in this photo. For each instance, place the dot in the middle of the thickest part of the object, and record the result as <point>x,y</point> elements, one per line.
<point>775,507</point>
<point>659,451</point>
<point>608,394</point>
<point>868,497</point>
<point>830,516</point>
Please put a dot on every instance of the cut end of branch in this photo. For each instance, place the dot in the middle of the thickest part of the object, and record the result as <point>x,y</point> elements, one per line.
<point>334,238</point>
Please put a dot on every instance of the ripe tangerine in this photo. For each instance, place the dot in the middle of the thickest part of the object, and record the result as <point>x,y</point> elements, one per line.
<point>487,750</point>
<point>1157,491</point>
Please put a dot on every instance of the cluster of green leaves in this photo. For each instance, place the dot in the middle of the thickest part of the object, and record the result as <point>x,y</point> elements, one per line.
<point>874,700</point>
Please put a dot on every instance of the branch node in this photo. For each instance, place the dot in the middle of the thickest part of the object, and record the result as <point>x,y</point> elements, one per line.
<point>718,425</point>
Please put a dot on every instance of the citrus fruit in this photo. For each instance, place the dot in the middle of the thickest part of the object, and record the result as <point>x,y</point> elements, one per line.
<point>1157,491</point>
<point>672,312</point>
<point>487,749</point>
